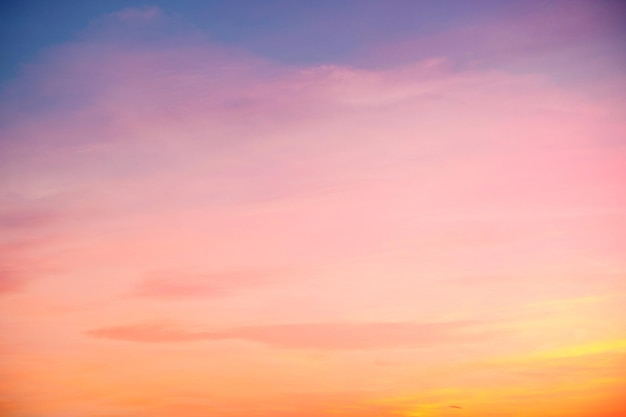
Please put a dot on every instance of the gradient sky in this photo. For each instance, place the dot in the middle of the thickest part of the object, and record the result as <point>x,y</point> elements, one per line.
<point>312,209</point>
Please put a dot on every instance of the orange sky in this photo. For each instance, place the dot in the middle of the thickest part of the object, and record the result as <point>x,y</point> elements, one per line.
<point>190,229</point>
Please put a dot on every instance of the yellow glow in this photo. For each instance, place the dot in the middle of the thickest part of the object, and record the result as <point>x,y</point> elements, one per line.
<point>592,348</point>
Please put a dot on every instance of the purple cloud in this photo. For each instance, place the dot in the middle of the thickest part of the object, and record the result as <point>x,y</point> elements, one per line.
<point>26,218</point>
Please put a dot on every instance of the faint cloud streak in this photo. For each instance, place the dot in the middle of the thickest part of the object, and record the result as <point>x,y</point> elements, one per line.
<point>324,336</point>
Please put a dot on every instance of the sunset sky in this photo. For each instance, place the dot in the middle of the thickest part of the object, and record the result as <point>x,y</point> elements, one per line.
<point>333,208</point>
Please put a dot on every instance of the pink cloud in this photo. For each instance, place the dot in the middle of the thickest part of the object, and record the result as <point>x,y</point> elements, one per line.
<point>10,281</point>
<point>27,219</point>
<point>20,264</point>
<point>176,285</point>
<point>325,336</point>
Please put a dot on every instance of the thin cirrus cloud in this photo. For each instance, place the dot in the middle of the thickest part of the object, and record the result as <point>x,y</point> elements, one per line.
<point>19,263</point>
<point>324,336</point>
<point>172,285</point>
<point>10,282</point>
<point>26,219</point>
<point>541,35</point>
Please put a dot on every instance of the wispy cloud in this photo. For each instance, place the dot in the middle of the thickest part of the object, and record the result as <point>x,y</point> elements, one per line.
<point>26,219</point>
<point>19,266</point>
<point>536,35</point>
<point>172,284</point>
<point>324,336</point>
<point>10,281</point>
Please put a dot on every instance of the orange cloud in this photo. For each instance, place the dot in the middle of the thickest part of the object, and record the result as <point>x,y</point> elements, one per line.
<point>325,336</point>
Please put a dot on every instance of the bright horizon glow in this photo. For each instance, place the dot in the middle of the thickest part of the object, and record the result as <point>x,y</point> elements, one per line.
<point>431,226</point>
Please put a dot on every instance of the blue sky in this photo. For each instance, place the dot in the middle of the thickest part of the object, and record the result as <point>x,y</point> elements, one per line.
<point>306,32</point>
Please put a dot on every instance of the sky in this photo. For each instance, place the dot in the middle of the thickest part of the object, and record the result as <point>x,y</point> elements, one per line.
<point>312,209</point>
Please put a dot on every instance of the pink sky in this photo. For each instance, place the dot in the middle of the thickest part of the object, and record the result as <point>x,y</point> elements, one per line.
<point>190,230</point>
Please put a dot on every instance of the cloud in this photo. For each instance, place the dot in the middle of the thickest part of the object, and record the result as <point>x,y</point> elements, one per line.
<point>26,219</point>
<point>18,266</point>
<point>165,284</point>
<point>324,336</point>
<point>139,13</point>
<point>10,281</point>
<point>536,36</point>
